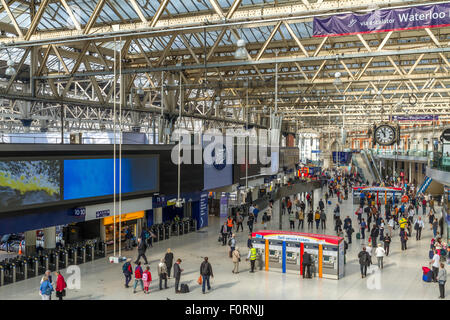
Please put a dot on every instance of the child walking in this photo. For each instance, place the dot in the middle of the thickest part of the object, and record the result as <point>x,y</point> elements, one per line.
<point>147,278</point>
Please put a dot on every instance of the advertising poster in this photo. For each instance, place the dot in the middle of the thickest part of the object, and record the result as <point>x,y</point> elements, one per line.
<point>28,183</point>
<point>223,206</point>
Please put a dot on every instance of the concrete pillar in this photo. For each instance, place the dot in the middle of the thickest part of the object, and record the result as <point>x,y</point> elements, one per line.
<point>30,242</point>
<point>102,231</point>
<point>50,238</point>
<point>157,215</point>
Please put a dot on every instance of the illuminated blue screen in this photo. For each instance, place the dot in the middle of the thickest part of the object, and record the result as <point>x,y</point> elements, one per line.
<point>85,178</point>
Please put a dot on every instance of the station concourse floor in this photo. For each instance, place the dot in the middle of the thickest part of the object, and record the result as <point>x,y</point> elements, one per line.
<point>400,279</point>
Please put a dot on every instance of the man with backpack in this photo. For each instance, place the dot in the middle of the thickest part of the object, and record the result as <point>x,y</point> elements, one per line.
<point>206,272</point>
<point>127,271</point>
<point>374,235</point>
<point>364,261</point>
<point>323,219</point>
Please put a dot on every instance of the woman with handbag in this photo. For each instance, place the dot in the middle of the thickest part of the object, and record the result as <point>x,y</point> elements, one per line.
<point>60,285</point>
<point>236,259</point>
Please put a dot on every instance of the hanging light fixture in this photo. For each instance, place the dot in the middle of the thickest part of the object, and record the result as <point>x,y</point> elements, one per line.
<point>241,52</point>
<point>10,71</point>
<point>337,78</point>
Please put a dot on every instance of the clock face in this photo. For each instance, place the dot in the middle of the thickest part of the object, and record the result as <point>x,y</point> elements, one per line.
<point>385,135</point>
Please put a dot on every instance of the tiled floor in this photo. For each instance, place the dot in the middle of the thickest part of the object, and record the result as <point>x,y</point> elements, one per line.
<point>400,279</point>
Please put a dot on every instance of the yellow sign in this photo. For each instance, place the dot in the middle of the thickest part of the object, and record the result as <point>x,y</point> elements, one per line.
<point>124,217</point>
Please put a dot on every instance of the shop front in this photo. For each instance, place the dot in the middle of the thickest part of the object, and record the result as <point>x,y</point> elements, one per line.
<point>132,221</point>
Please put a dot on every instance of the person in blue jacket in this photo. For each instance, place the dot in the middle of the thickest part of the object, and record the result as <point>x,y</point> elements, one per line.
<point>46,289</point>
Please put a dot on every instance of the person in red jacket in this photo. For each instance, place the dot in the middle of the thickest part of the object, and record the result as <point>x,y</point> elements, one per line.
<point>138,277</point>
<point>147,278</point>
<point>60,285</point>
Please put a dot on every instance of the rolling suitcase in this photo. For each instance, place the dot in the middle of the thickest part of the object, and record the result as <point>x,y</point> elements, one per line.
<point>184,288</point>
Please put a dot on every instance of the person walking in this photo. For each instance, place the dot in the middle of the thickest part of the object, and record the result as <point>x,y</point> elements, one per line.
<point>424,206</point>
<point>265,219</point>
<point>442,279</point>
<point>251,219</point>
<point>177,274</point>
<point>310,219</point>
<point>380,253</point>
<point>291,220</point>
<point>374,235</point>
<point>418,226</point>
<point>146,278</point>
<point>206,272</point>
<point>127,272</point>
<point>362,227</point>
<point>168,259</point>
<point>256,212</point>
<point>435,265</point>
<point>387,242</point>
<point>128,238</point>
<point>323,219</point>
<point>46,288</point>
<point>239,220</point>
<point>301,218</point>
<point>60,285</point>
<point>403,238</point>
<point>138,277</point>
<point>252,257</point>
<point>162,273</point>
<point>224,233</point>
<point>236,260</point>
<point>232,244</point>
<point>349,231</point>
<point>435,225</point>
<point>306,264</point>
<point>364,261</point>
<point>141,251</point>
<point>229,225</point>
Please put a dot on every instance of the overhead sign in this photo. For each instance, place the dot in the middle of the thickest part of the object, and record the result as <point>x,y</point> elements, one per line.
<point>125,217</point>
<point>419,117</point>
<point>79,212</point>
<point>419,17</point>
<point>203,218</point>
<point>102,213</point>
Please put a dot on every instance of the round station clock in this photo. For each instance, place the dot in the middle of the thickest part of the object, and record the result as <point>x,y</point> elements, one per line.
<point>385,135</point>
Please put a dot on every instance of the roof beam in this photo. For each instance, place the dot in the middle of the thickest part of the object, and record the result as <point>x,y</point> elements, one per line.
<point>11,17</point>
<point>138,11</point>
<point>71,15</point>
<point>94,16</point>
<point>264,47</point>
<point>233,8</point>
<point>36,19</point>
<point>158,13</point>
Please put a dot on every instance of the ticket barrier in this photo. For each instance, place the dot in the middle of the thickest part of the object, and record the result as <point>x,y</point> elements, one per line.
<point>186,226</point>
<point>174,229</point>
<point>81,254</point>
<point>53,261</point>
<point>43,264</point>
<point>100,249</point>
<point>7,272</point>
<point>161,231</point>
<point>63,259</point>
<point>72,256</point>
<point>192,225</point>
<point>90,252</point>
<point>155,230</point>
<point>166,231</point>
<point>33,266</point>
<point>21,269</point>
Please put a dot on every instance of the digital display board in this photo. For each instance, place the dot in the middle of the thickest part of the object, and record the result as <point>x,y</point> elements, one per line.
<point>29,182</point>
<point>88,178</point>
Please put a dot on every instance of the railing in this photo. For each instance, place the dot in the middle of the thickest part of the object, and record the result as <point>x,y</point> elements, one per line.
<point>440,162</point>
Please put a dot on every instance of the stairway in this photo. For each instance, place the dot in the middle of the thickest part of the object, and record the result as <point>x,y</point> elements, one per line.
<point>363,165</point>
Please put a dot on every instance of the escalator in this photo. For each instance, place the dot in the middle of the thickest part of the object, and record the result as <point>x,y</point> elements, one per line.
<point>424,186</point>
<point>362,165</point>
<point>374,166</point>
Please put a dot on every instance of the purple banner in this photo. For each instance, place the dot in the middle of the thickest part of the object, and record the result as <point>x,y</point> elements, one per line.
<point>416,118</point>
<point>437,15</point>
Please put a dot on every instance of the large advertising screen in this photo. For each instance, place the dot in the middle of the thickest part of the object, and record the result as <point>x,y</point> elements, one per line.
<point>29,182</point>
<point>87,178</point>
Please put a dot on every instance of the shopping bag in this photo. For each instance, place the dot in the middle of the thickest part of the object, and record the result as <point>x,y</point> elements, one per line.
<point>199,281</point>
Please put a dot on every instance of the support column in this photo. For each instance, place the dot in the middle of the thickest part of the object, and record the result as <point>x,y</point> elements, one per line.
<point>102,231</point>
<point>30,242</point>
<point>157,215</point>
<point>50,238</point>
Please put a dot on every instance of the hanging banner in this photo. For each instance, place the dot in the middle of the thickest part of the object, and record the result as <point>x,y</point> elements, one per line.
<point>203,217</point>
<point>427,16</point>
<point>416,118</point>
